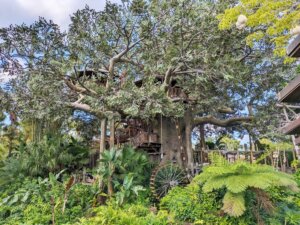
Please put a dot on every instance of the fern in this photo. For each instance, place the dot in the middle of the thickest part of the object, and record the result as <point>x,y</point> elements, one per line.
<point>239,177</point>
<point>234,204</point>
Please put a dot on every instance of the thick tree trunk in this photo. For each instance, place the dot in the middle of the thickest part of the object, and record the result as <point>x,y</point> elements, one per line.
<point>170,143</point>
<point>175,139</point>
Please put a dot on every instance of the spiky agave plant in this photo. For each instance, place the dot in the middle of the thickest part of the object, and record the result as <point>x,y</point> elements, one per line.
<point>239,177</point>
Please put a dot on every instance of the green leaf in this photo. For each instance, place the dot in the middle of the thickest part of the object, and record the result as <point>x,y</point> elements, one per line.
<point>234,204</point>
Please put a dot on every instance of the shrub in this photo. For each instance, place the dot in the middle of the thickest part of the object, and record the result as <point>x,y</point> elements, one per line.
<point>29,202</point>
<point>241,177</point>
<point>124,171</point>
<point>136,214</point>
<point>191,204</point>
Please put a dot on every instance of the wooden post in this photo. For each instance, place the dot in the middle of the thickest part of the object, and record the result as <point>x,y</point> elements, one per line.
<point>296,148</point>
<point>251,148</point>
<point>188,141</point>
<point>112,134</point>
<point>202,142</point>
<point>284,161</point>
<point>102,136</point>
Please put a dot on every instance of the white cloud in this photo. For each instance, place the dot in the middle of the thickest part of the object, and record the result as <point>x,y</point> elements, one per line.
<point>19,11</point>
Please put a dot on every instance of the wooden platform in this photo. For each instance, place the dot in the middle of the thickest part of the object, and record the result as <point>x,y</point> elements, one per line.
<point>292,127</point>
<point>293,50</point>
<point>291,93</point>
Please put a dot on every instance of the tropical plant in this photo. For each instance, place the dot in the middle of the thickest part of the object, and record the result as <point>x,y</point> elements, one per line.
<point>127,189</point>
<point>135,214</point>
<point>41,201</point>
<point>124,171</point>
<point>51,154</point>
<point>109,161</point>
<point>135,162</point>
<point>239,177</point>
<point>190,204</point>
<point>230,143</point>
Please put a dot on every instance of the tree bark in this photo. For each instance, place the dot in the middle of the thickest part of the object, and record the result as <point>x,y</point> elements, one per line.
<point>222,123</point>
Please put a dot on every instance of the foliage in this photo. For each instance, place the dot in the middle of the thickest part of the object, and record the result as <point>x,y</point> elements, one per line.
<point>128,215</point>
<point>270,146</point>
<point>239,177</point>
<point>126,169</point>
<point>29,201</point>
<point>191,204</point>
<point>127,189</point>
<point>153,42</point>
<point>9,140</point>
<point>268,20</point>
<point>51,154</point>
<point>230,143</point>
<point>287,203</point>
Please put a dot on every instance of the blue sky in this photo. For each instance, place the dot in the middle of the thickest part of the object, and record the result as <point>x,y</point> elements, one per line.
<point>27,11</point>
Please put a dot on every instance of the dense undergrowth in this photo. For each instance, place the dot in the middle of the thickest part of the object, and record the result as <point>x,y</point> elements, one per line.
<point>37,201</point>
<point>120,193</point>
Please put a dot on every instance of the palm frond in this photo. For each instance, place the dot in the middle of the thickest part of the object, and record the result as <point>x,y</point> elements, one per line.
<point>234,204</point>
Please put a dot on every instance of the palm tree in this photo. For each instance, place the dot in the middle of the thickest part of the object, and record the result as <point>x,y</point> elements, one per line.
<point>117,164</point>
<point>108,163</point>
<point>240,177</point>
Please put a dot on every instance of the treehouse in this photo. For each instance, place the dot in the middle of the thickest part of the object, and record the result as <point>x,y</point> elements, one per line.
<point>291,95</point>
<point>175,92</point>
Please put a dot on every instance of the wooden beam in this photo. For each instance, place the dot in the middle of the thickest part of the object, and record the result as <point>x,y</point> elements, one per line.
<point>292,127</point>
<point>293,50</point>
<point>291,93</point>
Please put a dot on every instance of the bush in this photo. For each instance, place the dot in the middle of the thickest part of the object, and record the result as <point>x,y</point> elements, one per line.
<point>51,154</point>
<point>136,214</point>
<point>190,204</point>
<point>29,202</point>
<point>123,172</point>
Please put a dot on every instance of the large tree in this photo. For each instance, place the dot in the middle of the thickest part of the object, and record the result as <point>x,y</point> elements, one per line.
<point>122,62</point>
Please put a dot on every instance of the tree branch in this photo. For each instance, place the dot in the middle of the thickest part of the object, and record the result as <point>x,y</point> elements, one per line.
<point>116,59</point>
<point>222,123</point>
<point>78,89</point>
<point>226,110</point>
<point>167,79</point>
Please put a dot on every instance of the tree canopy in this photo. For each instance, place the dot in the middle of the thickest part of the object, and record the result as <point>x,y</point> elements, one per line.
<point>123,60</point>
<point>267,21</point>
